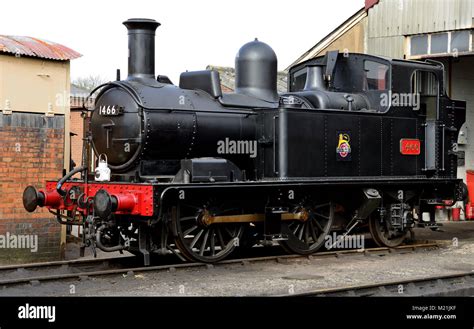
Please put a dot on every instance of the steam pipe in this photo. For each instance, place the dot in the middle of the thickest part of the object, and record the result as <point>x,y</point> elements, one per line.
<point>66,177</point>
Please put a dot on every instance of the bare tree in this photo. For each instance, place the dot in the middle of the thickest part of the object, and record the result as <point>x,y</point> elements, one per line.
<point>89,82</point>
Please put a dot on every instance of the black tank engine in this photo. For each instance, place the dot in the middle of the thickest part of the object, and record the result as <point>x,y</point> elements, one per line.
<point>357,144</point>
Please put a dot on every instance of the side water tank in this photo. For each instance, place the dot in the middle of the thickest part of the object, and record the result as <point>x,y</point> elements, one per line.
<point>256,71</point>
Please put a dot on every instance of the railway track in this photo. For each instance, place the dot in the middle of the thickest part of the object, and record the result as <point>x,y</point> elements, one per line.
<point>457,284</point>
<point>35,274</point>
<point>63,264</point>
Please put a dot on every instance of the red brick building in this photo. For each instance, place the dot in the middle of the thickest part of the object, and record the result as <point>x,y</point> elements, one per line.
<point>32,151</point>
<point>34,142</point>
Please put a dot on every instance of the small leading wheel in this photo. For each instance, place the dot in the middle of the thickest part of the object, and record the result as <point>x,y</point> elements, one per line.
<point>200,242</point>
<point>382,236</point>
<point>307,235</point>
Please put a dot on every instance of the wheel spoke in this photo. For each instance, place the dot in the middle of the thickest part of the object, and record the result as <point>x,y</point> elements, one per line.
<point>313,233</point>
<point>296,229</point>
<point>321,206</point>
<point>306,233</point>
<point>212,245</point>
<point>187,218</point>
<point>300,234</point>
<point>196,238</point>
<point>204,242</point>
<point>318,225</point>
<point>231,235</point>
<point>322,216</point>
<point>189,230</point>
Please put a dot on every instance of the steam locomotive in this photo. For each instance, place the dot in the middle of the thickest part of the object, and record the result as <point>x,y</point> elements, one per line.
<point>358,143</point>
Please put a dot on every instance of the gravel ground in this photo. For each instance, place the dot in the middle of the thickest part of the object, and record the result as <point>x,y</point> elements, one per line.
<point>272,278</point>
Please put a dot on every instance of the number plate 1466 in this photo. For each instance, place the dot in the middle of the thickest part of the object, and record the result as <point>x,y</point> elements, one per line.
<point>110,110</point>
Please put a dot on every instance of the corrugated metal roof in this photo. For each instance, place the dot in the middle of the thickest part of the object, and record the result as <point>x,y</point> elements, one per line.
<point>390,21</point>
<point>407,17</point>
<point>27,46</point>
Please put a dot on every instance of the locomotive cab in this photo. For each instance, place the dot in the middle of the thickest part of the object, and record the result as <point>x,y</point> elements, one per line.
<point>336,81</point>
<point>409,94</point>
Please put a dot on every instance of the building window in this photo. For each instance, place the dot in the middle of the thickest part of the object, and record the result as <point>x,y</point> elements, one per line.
<point>419,45</point>
<point>460,41</point>
<point>375,75</point>
<point>439,43</point>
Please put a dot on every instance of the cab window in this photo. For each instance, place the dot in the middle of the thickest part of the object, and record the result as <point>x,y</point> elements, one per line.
<point>298,80</point>
<point>376,76</point>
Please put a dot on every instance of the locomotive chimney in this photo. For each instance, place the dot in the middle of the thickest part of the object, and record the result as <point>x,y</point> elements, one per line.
<point>141,47</point>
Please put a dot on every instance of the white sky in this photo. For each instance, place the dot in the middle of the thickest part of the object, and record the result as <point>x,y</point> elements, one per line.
<point>192,34</point>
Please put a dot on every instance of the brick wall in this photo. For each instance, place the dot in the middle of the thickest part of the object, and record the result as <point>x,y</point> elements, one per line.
<point>31,152</point>
<point>76,141</point>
